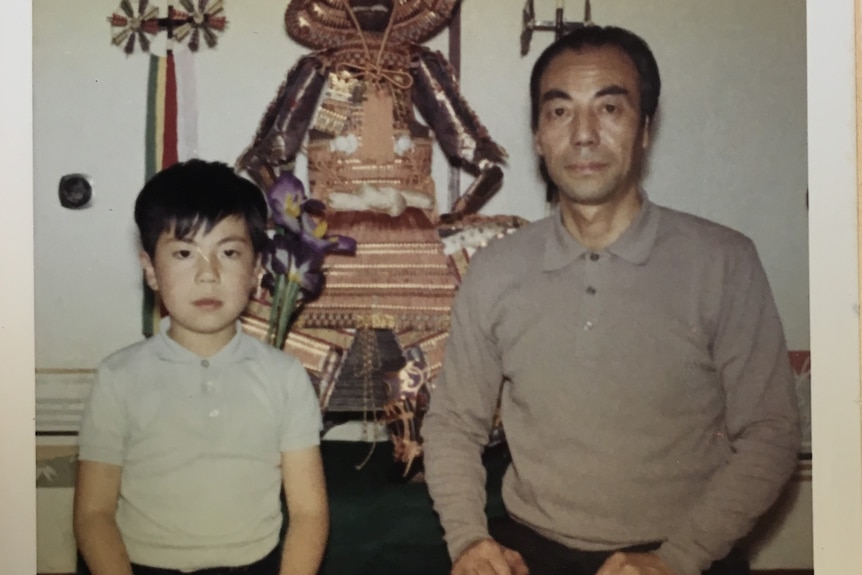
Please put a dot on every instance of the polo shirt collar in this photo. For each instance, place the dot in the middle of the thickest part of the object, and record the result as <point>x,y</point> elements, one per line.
<point>634,245</point>
<point>167,349</point>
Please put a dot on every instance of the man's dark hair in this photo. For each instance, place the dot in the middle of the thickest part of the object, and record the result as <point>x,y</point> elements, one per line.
<point>632,45</point>
<point>196,193</point>
<point>586,37</point>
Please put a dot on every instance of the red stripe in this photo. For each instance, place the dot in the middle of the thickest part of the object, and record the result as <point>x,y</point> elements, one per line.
<point>169,151</point>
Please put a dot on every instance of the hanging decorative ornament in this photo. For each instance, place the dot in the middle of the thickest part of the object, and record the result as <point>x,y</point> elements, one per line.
<point>559,25</point>
<point>207,19</point>
<point>127,25</point>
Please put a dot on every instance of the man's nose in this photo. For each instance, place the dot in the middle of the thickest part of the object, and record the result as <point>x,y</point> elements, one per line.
<point>584,129</point>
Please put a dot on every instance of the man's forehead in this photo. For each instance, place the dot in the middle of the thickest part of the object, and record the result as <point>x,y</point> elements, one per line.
<point>592,65</point>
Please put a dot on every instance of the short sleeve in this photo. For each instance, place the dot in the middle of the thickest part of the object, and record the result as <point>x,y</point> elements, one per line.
<point>102,436</point>
<point>302,421</point>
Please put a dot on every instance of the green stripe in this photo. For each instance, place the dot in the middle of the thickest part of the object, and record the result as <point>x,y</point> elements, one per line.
<point>150,144</point>
<point>149,300</point>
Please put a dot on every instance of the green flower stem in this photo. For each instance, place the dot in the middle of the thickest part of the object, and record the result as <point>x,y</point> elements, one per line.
<point>275,308</point>
<point>286,309</point>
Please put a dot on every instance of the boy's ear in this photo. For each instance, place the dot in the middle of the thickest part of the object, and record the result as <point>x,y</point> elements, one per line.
<point>149,270</point>
<point>258,268</point>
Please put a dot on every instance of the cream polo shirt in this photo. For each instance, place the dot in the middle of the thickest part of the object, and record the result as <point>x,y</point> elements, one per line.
<point>200,443</point>
<point>647,394</point>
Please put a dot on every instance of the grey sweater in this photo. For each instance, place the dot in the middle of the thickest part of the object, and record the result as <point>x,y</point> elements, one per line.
<point>646,389</point>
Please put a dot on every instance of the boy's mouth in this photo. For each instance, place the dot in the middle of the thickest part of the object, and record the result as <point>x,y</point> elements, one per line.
<point>207,303</point>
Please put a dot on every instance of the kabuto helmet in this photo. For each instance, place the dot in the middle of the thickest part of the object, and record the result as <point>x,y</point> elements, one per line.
<point>322,24</point>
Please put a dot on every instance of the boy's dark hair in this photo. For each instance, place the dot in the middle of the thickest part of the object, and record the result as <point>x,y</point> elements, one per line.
<point>196,193</point>
<point>638,51</point>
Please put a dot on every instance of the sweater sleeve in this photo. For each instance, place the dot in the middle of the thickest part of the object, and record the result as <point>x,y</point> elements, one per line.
<point>761,419</point>
<point>456,427</point>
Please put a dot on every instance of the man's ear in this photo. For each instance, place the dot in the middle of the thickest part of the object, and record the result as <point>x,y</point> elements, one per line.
<point>149,270</point>
<point>646,132</point>
<point>536,144</point>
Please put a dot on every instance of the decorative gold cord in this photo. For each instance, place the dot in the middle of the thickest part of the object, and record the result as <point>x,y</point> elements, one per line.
<point>367,341</point>
<point>372,70</point>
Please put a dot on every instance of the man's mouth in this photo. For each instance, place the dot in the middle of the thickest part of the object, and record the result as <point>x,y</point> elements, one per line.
<point>585,167</point>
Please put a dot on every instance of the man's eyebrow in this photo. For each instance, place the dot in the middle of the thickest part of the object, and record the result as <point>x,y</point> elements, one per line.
<point>555,94</point>
<point>613,90</point>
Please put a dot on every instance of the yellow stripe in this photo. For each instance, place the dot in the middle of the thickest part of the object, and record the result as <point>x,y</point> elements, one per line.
<point>161,83</point>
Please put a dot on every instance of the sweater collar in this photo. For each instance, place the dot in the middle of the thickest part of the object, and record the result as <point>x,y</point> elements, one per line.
<point>634,245</point>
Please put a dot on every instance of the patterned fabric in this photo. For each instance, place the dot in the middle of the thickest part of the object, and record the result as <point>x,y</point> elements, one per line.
<point>409,298</point>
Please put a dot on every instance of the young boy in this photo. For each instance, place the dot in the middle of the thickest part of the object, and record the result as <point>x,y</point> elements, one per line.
<point>188,436</point>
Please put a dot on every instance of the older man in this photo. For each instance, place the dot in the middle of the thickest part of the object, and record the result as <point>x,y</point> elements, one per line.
<point>647,396</point>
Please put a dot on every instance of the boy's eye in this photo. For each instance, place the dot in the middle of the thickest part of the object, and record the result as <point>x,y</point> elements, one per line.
<point>182,254</point>
<point>232,253</point>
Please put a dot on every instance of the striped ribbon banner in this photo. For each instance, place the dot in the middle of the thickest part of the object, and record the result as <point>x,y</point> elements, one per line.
<point>171,136</point>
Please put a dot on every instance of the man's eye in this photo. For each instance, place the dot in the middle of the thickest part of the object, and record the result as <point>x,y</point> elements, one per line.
<point>611,108</point>
<point>559,112</point>
<point>231,253</point>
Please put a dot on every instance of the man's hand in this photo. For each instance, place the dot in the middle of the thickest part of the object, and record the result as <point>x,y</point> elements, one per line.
<point>487,557</point>
<point>634,564</point>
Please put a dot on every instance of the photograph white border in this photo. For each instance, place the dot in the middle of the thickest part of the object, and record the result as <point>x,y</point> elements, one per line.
<point>834,286</point>
<point>834,272</point>
<point>17,354</point>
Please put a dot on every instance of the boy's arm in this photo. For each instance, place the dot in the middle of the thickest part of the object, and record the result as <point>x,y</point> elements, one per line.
<point>97,489</point>
<point>307,509</point>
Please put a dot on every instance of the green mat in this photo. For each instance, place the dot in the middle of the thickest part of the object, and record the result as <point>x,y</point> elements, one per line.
<point>380,526</point>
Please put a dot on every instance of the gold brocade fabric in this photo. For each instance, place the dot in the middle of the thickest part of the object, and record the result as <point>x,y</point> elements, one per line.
<point>349,151</point>
<point>401,281</point>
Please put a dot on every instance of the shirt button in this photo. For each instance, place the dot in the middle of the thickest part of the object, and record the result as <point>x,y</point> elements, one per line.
<point>594,257</point>
<point>209,386</point>
<point>588,326</point>
<point>591,290</point>
<point>205,363</point>
<point>214,413</point>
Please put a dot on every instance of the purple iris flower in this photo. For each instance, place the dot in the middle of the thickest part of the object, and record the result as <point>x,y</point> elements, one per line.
<point>300,242</point>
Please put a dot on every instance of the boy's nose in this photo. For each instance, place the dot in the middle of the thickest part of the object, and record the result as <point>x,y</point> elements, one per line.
<point>208,268</point>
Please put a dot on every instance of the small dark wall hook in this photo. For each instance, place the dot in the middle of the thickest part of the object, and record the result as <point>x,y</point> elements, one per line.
<point>75,191</point>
